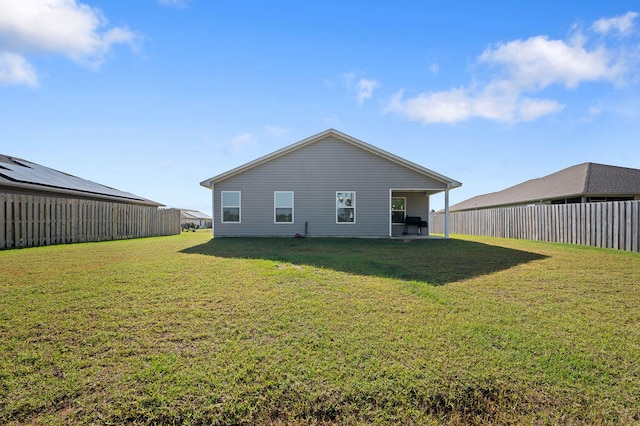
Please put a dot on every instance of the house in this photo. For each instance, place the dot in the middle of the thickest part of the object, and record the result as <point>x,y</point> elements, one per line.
<point>42,206</point>
<point>329,184</point>
<point>199,219</point>
<point>582,183</point>
<point>22,177</point>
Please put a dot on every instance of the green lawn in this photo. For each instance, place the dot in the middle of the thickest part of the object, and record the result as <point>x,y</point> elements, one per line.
<point>190,330</point>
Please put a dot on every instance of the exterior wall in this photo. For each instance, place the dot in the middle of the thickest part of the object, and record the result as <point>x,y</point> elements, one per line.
<point>202,223</point>
<point>315,173</point>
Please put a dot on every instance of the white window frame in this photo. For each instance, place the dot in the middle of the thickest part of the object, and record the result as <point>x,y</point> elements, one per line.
<point>223,206</point>
<point>393,210</point>
<point>275,207</point>
<point>342,207</point>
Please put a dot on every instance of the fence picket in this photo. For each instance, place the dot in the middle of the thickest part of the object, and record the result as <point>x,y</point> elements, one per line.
<point>635,227</point>
<point>9,221</point>
<point>28,220</point>
<point>3,221</point>
<point>607,224</point>
<point>17,221</point>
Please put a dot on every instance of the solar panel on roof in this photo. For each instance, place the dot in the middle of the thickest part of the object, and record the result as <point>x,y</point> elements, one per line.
<point>27,172</point>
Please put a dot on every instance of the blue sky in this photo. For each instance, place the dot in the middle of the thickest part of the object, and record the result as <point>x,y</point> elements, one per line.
<point>154,96</point>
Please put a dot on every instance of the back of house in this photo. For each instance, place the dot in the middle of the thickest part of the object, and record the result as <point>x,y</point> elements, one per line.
<point>327,185</point>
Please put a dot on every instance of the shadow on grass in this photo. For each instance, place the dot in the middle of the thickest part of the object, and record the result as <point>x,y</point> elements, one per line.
<point>434,261</point>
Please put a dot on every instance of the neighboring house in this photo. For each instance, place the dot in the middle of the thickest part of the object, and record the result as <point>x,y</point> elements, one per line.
<point>329,184</point>
<point>199,219</point>
<point>18,176</point>
<point>582,183</point>
<point>41,206</point>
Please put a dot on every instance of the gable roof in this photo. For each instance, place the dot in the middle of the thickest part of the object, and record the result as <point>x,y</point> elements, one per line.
<point>193,214</point>
<point>27,176</point>
<point>343,137</point>
<point>586,179</point>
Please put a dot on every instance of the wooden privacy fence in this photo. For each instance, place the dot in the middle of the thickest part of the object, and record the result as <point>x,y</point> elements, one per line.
<point>29,221</point>
<point>611,225</point>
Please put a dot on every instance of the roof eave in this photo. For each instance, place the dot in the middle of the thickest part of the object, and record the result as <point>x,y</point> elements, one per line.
<point>265,158</point>
<point>517,202</point>
<point>346,138</point>
<point>65,191</point>
<point>451,183</point>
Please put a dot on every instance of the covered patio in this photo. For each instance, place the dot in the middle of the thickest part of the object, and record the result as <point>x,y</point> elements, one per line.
<point>413,203</point>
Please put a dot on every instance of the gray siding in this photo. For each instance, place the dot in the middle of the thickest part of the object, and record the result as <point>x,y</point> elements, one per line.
<point>315,172</point>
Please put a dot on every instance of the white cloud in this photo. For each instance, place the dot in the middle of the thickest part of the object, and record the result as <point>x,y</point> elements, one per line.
<point>529,109</point>
<point>348,78</point>
<point>14,70</point>
<point>240,142</point>
<point>276,131</point>
<point>593,112</point>
<point>622,24</point>
<point>522,68</point>
<point>332,120</point>
<point>63,27</point>
<point>539,62</point>
<point>446,107</point>
<point>460,104</point>
<point>365,89</point>
<point>174,3</point>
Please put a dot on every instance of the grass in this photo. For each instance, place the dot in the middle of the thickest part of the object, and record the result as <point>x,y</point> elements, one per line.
<point>190,330</point>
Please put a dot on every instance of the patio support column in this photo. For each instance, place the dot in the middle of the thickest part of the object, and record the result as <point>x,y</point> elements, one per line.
<point>446,213</point>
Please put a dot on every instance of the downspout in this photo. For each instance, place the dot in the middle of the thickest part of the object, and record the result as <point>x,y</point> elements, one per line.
<point>446,212</point>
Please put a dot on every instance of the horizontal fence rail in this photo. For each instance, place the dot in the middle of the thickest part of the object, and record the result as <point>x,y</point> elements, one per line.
<point>610,225</point>
<point>30,221</point>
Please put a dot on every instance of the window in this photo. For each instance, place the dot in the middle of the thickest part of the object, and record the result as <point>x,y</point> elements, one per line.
<point>230,206</point>
<point>345,207</point>
<point>283,206</point>
<point>398,209</point>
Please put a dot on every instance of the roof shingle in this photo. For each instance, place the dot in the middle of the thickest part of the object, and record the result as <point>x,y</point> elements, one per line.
<point>586,179</point>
